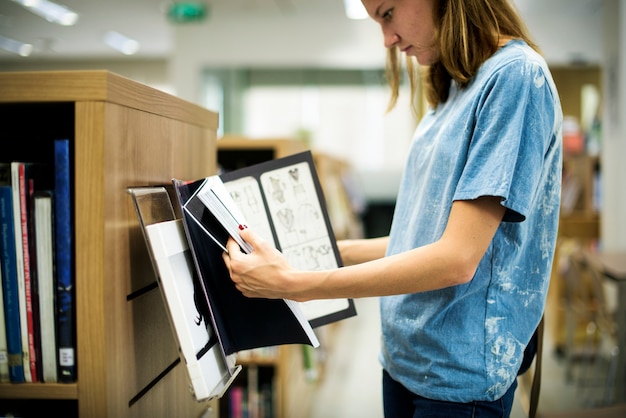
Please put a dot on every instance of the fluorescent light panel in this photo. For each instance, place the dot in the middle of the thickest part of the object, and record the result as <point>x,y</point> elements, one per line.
<point>15,47</point>
<point>121,43</point>
<point>50,11</point>
<point>355,9</point>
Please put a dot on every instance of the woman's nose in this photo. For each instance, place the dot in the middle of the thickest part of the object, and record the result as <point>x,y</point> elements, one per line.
<point>391,39</point>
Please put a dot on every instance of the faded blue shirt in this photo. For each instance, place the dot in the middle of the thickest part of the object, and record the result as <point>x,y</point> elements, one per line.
<point>500,136</point>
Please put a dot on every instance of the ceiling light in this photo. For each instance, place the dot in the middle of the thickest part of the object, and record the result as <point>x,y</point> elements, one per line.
<point>121,43</point>
<point>50,11</point>
<point>16,47</point>
<point>355,9</point>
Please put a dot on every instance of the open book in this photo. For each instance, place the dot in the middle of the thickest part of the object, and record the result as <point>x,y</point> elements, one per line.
<point>283,201</point>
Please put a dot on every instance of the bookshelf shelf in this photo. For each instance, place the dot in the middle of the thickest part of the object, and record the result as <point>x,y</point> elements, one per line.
<point>122,134</point>
<point>39,391</point>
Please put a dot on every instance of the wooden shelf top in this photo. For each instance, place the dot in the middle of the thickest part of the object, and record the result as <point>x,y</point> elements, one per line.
<point>99,85</point>
<point>39,391</point>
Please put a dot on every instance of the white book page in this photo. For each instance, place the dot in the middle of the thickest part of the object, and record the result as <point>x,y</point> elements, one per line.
<point>298,219</point>
<point>209,374</point>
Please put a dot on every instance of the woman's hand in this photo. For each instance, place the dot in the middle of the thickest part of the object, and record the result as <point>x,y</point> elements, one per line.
<point>264,273</point>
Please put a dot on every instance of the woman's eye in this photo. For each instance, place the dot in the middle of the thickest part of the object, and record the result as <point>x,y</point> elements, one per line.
<point>388,14</point>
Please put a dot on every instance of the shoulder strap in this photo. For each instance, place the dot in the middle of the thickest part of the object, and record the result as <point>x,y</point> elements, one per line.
<point>536,383</point>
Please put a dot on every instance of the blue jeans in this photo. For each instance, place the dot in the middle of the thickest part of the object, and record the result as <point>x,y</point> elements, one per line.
<point>398,402</point>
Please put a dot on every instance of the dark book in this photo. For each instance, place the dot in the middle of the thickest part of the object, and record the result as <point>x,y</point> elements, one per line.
<point>241,323</point>
<point>63,260</point>
<point>283,201</point>
<point>10,286</point>
<point>5,179</point>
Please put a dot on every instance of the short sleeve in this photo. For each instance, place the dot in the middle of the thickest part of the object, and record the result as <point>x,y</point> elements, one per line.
<point>514,126</point>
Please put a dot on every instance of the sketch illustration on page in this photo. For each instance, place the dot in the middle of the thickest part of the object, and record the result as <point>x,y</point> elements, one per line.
<point>295,210</point>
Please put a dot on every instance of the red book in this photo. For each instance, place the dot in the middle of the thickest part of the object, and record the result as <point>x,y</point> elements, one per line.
<point>27,177</point>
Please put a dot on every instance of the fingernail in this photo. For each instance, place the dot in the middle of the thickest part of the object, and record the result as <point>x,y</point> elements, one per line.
<point>242,227</point>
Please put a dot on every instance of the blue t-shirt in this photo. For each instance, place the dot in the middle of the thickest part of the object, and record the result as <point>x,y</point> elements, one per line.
<point>499,136</point>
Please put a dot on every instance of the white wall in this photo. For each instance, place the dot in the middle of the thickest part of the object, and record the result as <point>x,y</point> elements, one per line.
<point>568,31</point>
<point>333,41</point>
<point>271,41</point>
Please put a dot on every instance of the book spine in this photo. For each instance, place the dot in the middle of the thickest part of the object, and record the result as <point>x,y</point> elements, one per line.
<point>26,190</point>
<point>43,216</point>
<point>34,282</point>
<point>63,263</point>
<point>236,402</point>
<point>4,359</point>
<point>19,257</point>
<point>10,286</point>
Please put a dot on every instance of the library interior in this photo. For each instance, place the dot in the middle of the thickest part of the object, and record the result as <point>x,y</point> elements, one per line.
<point>116,116</point>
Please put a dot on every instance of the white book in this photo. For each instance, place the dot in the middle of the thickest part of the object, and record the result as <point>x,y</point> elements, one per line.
<point>209,374</point>
<point>46,284</point>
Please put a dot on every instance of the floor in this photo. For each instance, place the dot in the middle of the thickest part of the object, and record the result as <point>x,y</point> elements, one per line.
<point>351,385</point>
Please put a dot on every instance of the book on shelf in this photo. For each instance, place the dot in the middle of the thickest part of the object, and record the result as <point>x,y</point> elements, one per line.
<point>44,238</point>
<point>209,373</point>
<point>63,262</point>
<point>5,179</point>
<point>26,178</point>
<point>4,357</point>
<point>10,286</point>
<point>283,201</point>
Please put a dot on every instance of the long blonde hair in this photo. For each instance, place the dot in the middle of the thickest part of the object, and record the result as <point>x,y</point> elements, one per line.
<point>468,32</point>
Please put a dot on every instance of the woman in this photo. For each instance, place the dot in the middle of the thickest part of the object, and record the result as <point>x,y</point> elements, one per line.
<point>464,273</point>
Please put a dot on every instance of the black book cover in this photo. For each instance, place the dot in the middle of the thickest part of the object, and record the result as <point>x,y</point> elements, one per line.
<point>241,323</point>
<point>282,200</point>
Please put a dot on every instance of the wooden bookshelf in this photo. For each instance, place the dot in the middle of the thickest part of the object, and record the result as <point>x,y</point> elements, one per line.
<point>122,134</point>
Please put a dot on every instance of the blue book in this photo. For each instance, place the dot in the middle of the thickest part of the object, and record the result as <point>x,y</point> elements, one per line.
<point>66,334</point>
<point>9,286</point>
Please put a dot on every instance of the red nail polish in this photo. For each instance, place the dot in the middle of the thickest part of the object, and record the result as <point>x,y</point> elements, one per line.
<point>241,227</point>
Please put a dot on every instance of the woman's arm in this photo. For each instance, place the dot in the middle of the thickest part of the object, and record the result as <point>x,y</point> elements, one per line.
<point>357,251</point>
<point>450,261</point>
